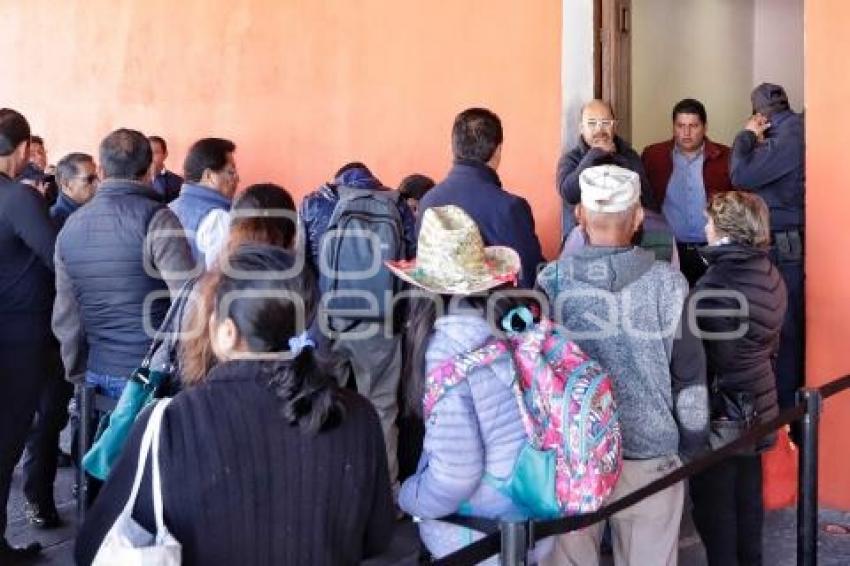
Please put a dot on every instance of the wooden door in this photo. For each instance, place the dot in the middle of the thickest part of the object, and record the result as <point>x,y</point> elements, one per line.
<point>613,58</point>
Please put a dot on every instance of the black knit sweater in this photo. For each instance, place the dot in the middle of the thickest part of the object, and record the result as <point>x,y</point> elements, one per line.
<point>241,486</point>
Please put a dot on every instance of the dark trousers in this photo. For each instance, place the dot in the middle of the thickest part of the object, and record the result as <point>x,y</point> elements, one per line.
<point>691,263</point>
<point>790,363</point>
<point>23,367</point>
<point>729,512</point>
<point>42,449</point>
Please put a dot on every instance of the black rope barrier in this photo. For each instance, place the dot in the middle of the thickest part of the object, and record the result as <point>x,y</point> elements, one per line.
<point>807,407</point>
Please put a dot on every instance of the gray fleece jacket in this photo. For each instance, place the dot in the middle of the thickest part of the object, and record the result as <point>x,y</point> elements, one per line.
<point>625,310</point>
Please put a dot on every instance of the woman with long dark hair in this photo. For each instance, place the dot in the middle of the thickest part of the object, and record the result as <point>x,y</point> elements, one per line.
<point>741,353</point>
<point>264,460</point>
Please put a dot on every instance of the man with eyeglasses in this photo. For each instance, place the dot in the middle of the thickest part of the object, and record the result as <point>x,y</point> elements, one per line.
<point>77,179</point>
<point>598,144</point>
<point>203,206</point>
<point>76,176</point>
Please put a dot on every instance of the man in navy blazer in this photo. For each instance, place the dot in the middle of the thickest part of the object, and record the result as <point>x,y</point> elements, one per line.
<point>504,219</point>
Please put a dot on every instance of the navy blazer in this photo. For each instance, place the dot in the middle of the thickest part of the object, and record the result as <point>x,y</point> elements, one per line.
<point>504,219</point>
<point>167,185</point>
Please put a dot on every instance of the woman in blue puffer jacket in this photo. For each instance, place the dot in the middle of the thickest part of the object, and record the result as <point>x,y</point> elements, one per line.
<point>474,432</point>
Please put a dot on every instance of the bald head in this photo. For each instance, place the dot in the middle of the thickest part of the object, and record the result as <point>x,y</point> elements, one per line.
<point>610,228</point>
<point>597,124</point>
<point>597,108</point>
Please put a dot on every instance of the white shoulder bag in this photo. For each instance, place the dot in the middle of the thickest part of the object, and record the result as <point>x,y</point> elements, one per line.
<point>127,543</point>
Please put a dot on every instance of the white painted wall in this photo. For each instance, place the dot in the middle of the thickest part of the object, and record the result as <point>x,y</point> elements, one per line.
<point>778,56</point>
<point>700,49</point>
<point>576,66</point>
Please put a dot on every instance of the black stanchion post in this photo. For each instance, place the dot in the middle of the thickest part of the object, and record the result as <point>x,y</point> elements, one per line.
<point>85,401</point>
<point>514,543</point>
<point>807,490</point>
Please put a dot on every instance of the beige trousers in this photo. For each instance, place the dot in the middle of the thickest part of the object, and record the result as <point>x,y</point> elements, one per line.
<point>645,534</point>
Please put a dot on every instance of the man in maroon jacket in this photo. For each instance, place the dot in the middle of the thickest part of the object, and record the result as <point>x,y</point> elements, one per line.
<point>684,173</point>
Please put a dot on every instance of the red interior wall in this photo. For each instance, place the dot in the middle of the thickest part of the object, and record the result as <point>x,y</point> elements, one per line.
<point>301,86</point>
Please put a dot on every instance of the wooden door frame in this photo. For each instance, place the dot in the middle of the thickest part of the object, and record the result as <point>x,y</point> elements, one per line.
<point>612,57</point>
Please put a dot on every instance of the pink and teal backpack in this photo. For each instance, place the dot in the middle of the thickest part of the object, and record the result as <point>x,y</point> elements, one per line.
<point>573,454</point>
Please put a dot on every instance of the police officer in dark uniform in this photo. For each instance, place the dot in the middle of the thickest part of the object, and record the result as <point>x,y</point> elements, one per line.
<point>768,158</point>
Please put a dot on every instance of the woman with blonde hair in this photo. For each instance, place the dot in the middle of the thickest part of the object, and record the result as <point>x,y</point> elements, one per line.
<point>741,353</point>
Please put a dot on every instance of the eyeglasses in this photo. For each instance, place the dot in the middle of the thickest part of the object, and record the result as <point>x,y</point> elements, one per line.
<point>89,179</point>
<point>604,124</point>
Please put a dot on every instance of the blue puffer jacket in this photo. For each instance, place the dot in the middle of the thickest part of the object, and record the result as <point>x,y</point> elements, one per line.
<point>318,207</point>
<point>475,429</point>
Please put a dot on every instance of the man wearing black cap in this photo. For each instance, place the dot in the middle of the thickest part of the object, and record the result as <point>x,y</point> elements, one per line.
<point>768,158</point>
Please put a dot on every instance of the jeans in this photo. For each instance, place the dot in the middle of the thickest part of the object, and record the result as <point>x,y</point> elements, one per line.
<point>107,385</point>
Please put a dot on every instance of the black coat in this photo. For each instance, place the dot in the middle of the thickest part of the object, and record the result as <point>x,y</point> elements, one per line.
<point>742,365</point>
<point>582,156</point>
<point>573,162</point>
<point>243,487</point>
<point>27,239</point>
<point>504,219</point>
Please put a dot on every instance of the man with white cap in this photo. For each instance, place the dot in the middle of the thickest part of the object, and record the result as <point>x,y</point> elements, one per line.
<point>627,311</point>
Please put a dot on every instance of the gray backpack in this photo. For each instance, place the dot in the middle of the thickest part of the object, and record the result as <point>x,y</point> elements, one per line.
<point>364,231</point>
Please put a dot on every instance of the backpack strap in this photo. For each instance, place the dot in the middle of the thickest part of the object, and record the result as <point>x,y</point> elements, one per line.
<point>455,370</point>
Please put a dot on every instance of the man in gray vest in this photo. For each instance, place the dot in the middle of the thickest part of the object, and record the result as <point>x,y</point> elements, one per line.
<point>116,260</point>
<point>627,311</point>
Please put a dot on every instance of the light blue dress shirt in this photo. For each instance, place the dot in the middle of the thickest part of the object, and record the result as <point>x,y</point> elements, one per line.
<point>685,200</point>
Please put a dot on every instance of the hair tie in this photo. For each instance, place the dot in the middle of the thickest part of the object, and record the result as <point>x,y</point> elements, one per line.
<point>525,316</point>
<point>298,343</point>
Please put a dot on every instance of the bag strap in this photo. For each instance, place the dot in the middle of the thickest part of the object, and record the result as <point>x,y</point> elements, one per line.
<point>157,481</point>
<point>152,428</point>
<point>456,369</point>
<point>165,329</point>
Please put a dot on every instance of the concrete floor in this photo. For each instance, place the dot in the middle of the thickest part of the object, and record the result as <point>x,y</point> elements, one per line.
<point>779,535</point>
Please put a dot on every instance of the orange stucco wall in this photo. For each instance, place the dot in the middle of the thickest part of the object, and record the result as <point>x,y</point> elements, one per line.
<point>301,86</point>
<point>828,237</point>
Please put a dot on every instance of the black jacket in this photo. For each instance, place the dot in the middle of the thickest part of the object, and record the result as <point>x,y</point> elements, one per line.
<point>27,237</point>
<point>62,209</point>
<point>243,487</point>
<point>573,162</point>
<point>503,218</point>
<point>167,185</point>
<point>774,169</point>
<point>743,364</point>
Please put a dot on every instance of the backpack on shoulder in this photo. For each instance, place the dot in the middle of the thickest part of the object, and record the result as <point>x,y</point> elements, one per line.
<point>572,457</point>
<point>365,230</point>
